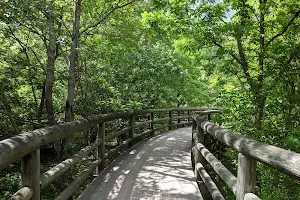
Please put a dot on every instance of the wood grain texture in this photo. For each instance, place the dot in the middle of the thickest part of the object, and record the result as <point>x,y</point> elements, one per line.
<point>140,124</point>
<point>170,120</point>
<point>69,191</point>
<point>113,135</point>
<point>158,168</point>
<point>286,161</point>
<point>101,147</point>
<point>251,196</point>
<point>246,178</point>
<point>24,193</point>
<point>219,168</point>
<point>131,129</point>
<point>64,166</point>
<point>14,148</point>
<point>152,122</point>
<point>211,186</point>
<point>115,150</point>
<point>30,173</point>
<point>142,135</point>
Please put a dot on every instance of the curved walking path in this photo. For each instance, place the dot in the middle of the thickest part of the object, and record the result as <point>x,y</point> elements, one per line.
<point>159,168</point>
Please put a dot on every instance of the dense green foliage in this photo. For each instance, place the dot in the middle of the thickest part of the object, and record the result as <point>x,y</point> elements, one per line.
<point>242,56</point>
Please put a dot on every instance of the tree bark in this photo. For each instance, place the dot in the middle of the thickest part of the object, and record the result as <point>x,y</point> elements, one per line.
<point>244,63</point>
<point>41,106</point>
<point>9,112</point>
<point>51,52</point>
<point>259,95</point>
<point>49,83</point>
<point>69,112</point>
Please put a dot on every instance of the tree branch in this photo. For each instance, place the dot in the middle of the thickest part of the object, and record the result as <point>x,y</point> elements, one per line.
<point>105,16</point>
<point>244,63</point>
<point>239,61</point>
<point>284,29</point>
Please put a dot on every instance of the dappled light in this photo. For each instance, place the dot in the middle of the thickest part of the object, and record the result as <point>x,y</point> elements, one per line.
<point>157,169</point>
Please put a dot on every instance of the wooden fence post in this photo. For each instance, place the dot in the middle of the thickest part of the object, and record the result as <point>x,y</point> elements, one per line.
<point>188,119</point>
<point>131,130</point>
<point>246,176</point>
<point>209,117</point>
<point>152,123</point>
<point>170,120</point>
<point>194,125</point>
<point>198,158</point>
<point>101,148</point>
<point>30,172</point>
<point>178,120</point>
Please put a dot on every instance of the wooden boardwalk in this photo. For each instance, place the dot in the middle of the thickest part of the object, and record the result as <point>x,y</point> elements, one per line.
<point>159,168</point>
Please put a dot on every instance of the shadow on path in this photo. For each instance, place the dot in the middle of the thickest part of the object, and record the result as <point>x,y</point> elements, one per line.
<point>159,168</point>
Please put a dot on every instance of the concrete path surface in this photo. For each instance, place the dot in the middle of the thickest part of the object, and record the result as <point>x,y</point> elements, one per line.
<point>159,168</point>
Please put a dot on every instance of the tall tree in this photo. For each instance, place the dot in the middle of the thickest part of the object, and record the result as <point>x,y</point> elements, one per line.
<point>69,109</point>
<point>51,56</point>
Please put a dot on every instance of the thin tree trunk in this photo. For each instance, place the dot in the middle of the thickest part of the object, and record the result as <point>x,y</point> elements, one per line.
<point>24,47</point>
<point>41,106</point>
<point>9,112</point>
<point>69,112</point>
<point>260,96</point>
<point>49,83</point>
<point>51,52</point>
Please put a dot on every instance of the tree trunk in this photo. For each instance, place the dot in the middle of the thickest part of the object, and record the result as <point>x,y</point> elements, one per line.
<point>259,95</point>
<point>69,112</point>
<point>51,56</point>
<point>51,52</point>
<point>41,106</point>
<point>9,112</point>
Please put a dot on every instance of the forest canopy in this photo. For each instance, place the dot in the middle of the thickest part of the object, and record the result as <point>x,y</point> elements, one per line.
<point>62,60</point>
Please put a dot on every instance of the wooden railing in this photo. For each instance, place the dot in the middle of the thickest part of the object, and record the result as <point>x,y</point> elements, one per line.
<point>26,146</point>
<point>250,151</point>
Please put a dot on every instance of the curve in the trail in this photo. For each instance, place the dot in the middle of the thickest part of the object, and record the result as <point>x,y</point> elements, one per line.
<point>159,168</point>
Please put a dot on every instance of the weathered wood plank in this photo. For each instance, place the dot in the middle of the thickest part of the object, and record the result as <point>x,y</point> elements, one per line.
<point>140,124</point>
<point>113,135</point>
<point>198,137</point>
<point>152,122</point>
<point>157,120</point>
<point>101,147</point>
<point>286,161</point>
<point>16,147</point>
<point>207,110</point>
<point>24,193</point>
<point>64,166</point>
<point>113,151</point>
<point>246,177</point>
<point>178,118</point>
<point>143,134</point>
<point>181,117</point>
<point>170,120</point>
<point>131,129</point>
<point>184,123</point>
<point>30,173</point>
<point>251,196</point>
<point>158,168</point>
<point>69,191</point>
<point>211,186</point>
<point>219,168</point>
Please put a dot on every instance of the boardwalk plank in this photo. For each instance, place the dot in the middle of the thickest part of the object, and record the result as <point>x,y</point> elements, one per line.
<point>159,168</point>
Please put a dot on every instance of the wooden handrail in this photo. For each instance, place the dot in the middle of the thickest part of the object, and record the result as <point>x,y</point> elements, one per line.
<point>251,151</point>
<point>286,161</point>
<point>24,193</point>
<point>26,146</point>
<point>64,166</point>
